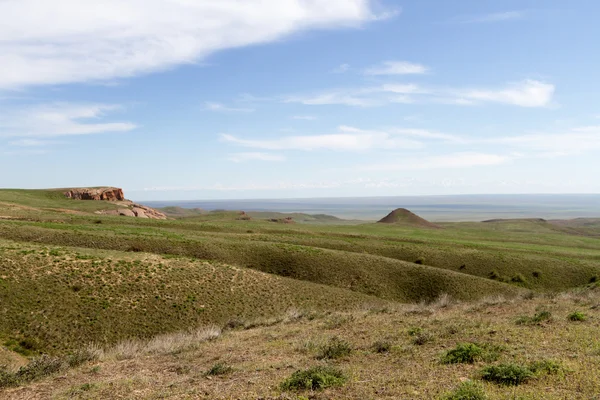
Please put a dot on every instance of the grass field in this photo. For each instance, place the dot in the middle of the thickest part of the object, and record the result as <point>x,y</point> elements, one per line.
<point>70,277</point>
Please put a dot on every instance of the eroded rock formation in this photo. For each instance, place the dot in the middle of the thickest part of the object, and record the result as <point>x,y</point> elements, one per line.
<point>115,195</point>
<point>107,193</point>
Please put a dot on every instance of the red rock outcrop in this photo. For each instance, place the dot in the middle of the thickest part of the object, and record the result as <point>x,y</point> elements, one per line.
<point>107,193</point>
<point>129,208</point>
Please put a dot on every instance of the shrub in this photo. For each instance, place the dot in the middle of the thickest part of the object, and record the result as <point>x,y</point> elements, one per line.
<point>467,390</point>
<point>594,279</point>
<point>518,278</point>
<point>382,346</point>
<point>494,275</point>
<point>577,316</point>
<point>316,378</point>
<point>506,374</point>
<point>219,369</point>
<point>536,273</point>
<point>336,348</point>
<point>421,338</point>
<point>462,353</point>
<point>548,367</point>
<point>536,319</point>
<point>37,368</point>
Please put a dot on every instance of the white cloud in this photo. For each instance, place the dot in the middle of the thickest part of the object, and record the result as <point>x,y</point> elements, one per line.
<point>28,143</point>
<point>396,68</point>
<point>65,41</point>
<point>527,93</point>
<point>346,139</point>
<point>218,107</point>
<point>242,157</point>
<point>493,17</point>
<point>340,69</point>
<point>305,117</point>
<point>60,119</point>
<point>575,141</point>
<point>447,161</point>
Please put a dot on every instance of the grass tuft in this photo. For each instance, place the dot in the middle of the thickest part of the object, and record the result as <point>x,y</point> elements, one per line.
<point>467,390</point>
<point>538,318</point>
<point>577,316</point>
<point>316,378</point>
<point>219,369</point>
<point>507,374</point>
<point>462,353</point>
<point>335,348</point>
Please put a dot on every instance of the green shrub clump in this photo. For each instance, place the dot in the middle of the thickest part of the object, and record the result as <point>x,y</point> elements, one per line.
<point>219,369</point>
<point>467,390</point>
<point>536,319</point>
<point>577,316</point>
<point>507,374</point>
<point>462,353</point>
<point>336,348</point>
<point>315,378</point>
<point>382,346</point>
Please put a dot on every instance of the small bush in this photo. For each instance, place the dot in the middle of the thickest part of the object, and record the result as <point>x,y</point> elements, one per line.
<point>594,279</point>
<point>494,275</point>
<point>547,367</point>
<point>421,338</point>
<point>462,353</point>
<point>415,330</point>
<point>467,390</point>
<point>219,369</point>
<point>336,348</point>
<point>37,368</point>
<point>316,378</point>
<point>518,278</point>
<point>382,346</point>
<point>536,319</point>
<point>506,374</point>
<point>577,316</point>
<point>536,273</point>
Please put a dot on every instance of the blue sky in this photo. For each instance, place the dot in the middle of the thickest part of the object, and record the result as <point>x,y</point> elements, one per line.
<point>181,99</point>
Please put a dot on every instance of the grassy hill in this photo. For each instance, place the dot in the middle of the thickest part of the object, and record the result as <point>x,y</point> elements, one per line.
<point>69,277</point>
<point>400,352</point>
<point>406,217</point>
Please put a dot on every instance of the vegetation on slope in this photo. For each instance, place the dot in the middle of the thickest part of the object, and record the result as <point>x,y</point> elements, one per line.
<point>280,361</point>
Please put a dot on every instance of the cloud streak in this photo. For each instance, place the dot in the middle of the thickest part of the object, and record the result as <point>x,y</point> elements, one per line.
<point>397,68</point>
<point>99,41</point>
<point>492,17</point>
<point>346,139</point>
<point>527,93</point>
<point>59,119</point>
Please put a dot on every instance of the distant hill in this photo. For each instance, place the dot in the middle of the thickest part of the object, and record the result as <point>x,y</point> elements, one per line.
<point>406,217</point>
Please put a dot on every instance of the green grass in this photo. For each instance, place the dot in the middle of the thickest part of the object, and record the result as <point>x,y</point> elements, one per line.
<point>315,378</point>
<point>468,390</point>
<point>507,374</point>
<point>577,316</point>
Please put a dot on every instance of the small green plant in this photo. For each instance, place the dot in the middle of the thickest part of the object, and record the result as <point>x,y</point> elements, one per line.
<point>382,346</point>
<point>468,390</point>
<point>547,367</point>
<point>507,374</point>
<point>462,353</point>
<point>536,319</point>
<point>494,275</point>
<point>421,338</point>
<point>577,316</point>
<point>37,368</point>
<point>316,378</point>
<point>413,331</point>
<point>219,369</point>
<point>518,278</point>
<point>335,348</point>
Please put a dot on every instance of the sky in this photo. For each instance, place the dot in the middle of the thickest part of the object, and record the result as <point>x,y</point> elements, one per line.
<point>184,99</point>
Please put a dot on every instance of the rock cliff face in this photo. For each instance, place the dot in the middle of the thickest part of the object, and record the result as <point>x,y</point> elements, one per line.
<point>112,194</point>
<point>108,193</point>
